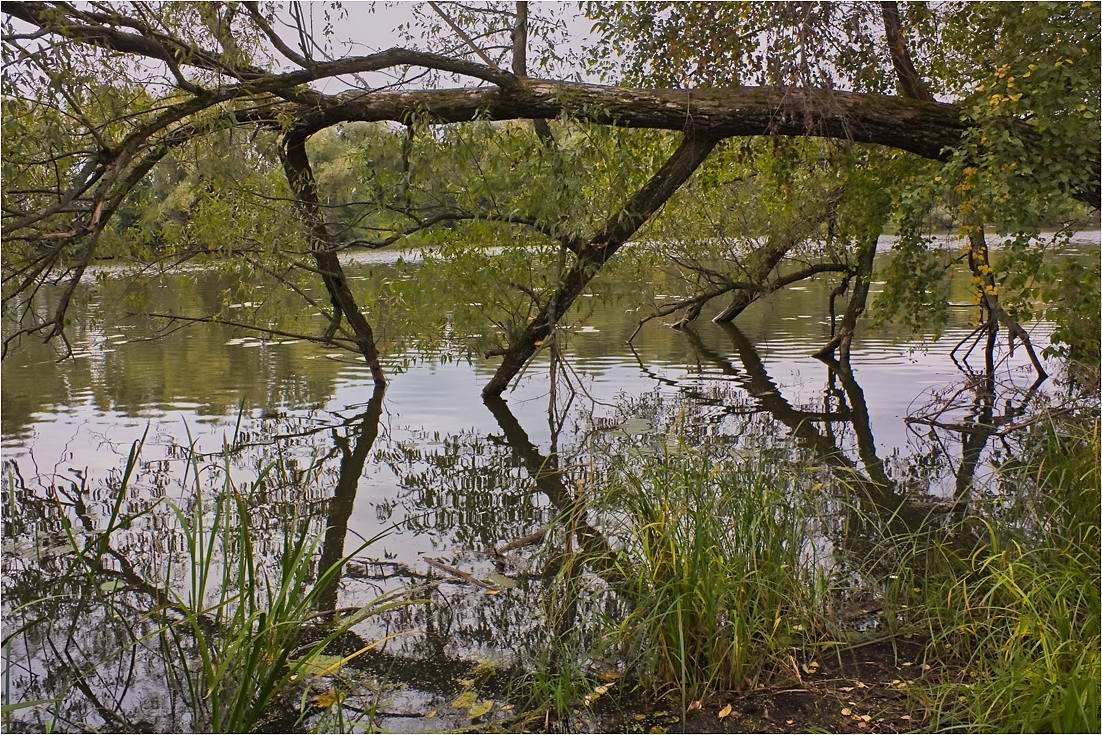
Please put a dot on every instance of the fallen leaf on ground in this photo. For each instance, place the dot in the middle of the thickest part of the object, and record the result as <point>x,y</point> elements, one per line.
<point>726,711</point>
<point>694,706</point>
<point>846,712</point>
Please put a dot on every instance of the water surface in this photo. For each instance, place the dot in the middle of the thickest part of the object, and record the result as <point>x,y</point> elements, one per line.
<point>444,474</point>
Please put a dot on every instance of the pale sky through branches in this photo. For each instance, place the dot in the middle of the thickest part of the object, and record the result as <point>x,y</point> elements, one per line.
<point>367,26</point>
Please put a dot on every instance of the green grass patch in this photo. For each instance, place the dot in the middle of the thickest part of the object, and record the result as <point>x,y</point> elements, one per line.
<point>717,562</point>
<point>1011,604</point>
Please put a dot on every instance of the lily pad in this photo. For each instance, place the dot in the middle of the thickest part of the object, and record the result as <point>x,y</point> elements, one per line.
<point>466,700</point>
<point>322,664</point>
<point>480,708</point>
<point>500,580</point>
<point>635,425</point>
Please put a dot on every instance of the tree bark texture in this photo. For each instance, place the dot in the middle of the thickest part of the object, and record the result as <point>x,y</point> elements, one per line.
<point>519,38</point>
<point>910,81</point>
<point>927,129</point>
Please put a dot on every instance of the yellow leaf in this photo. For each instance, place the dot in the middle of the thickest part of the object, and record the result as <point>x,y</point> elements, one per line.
<point>610,676</point>
<point>725,712</point>
<point>846,712</point>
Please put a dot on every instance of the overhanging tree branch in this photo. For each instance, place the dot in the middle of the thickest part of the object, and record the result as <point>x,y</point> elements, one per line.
<point>663,184</point>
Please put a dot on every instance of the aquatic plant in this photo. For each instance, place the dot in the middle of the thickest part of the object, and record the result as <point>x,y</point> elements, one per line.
<point>238,633</point>
<point>716,560</point>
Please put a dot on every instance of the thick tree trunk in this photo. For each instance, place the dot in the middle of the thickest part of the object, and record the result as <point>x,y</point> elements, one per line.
<point>296,165</point>
<point>621,226</point>
<point>923,128</point>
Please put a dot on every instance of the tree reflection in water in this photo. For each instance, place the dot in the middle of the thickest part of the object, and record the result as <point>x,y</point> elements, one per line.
<point>462,494</point>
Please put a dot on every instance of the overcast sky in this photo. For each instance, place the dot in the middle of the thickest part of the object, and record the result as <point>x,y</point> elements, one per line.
<point>365,27</point>
<point>373,26</point>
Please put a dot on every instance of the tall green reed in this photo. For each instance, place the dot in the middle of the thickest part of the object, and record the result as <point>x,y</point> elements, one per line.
<point>717,562</point>
<point>1011,606</point>
<point>240,631</point>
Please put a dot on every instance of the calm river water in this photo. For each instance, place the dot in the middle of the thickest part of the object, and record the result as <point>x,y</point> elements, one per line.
<point>447,475</point>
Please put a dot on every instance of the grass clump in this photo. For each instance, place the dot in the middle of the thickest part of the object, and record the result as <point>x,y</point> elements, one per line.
<point>231,624</point>
<point>1011,606</point>
<point>717,560</point>
<point>251,636</point>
